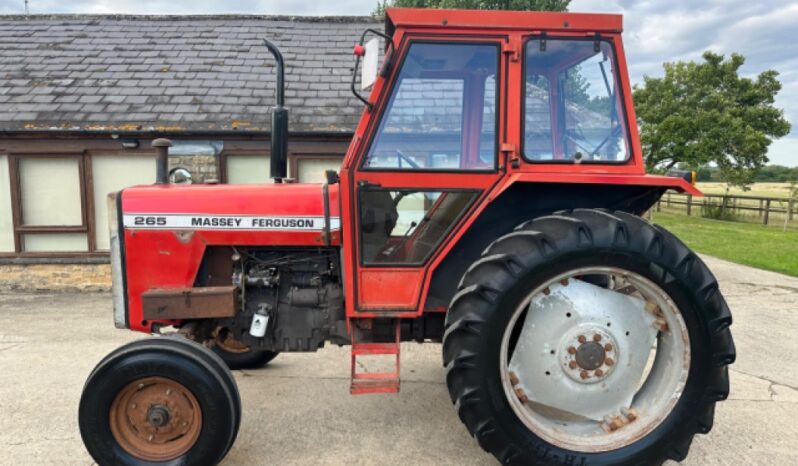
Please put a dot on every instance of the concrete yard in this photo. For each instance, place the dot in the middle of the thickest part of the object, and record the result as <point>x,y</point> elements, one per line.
<point>297,411</point>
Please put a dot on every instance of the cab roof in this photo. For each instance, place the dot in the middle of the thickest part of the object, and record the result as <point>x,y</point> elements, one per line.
<point>511,20</point>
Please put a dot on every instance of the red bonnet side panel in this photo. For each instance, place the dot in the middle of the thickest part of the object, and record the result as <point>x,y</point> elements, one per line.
<point>167,228</point>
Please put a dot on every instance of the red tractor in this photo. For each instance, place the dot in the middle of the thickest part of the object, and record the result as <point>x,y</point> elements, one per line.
<point>491,200</point>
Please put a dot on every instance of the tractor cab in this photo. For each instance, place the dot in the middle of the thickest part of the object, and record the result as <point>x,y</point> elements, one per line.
<point>457,114</point>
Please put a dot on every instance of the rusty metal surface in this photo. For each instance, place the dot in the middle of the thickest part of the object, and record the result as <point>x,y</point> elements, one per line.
<point>189,303</point>
<point>156,419</point>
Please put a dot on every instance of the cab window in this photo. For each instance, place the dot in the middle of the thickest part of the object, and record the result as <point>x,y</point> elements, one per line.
<point>441,114</point>
<point>572,106</point>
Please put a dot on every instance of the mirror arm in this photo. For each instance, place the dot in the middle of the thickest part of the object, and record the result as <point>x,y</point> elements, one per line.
<point>385,67</point>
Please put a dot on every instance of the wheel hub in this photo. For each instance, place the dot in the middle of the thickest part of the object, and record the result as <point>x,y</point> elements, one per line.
<point>588,353</point>
<point>582,349</point>
<point>158,416</point>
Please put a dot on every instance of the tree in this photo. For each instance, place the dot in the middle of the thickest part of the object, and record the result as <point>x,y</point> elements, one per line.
<point>702,113</point>
<point>528,5</point>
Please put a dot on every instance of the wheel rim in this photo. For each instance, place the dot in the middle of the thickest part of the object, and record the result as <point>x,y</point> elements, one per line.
<point>156,419</point>
<point>226,342</point>
<point>594,368</point>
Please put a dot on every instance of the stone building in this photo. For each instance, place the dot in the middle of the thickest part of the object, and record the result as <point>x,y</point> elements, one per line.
<point>82,97</point>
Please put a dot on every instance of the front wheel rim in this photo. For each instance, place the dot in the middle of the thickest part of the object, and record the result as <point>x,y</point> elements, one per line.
<point>155,419</point>
<point>568,372</point>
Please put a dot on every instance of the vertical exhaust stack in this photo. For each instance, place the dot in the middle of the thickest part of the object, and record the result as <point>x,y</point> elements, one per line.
<point>279,135</point>
<point>162,146</point>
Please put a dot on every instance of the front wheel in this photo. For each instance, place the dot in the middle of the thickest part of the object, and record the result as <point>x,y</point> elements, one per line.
<point>163,400</point>
<point>587,337</point>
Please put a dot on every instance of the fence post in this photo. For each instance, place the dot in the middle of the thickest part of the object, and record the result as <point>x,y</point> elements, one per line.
<point>761,205</point>
<point>689,204</point>
<point>767,211</point>
<point>791,210</point>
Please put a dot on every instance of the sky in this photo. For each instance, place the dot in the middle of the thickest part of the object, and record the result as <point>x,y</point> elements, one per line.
<point>655,31</point>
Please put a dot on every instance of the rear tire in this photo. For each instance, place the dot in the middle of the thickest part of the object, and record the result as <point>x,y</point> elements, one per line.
<point>173,384</point>
<point>541,250</point>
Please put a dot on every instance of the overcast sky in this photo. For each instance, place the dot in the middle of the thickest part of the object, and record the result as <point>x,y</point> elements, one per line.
<point>655,31</point>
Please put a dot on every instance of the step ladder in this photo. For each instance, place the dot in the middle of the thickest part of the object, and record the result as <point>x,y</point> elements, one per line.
<point>375,382</point>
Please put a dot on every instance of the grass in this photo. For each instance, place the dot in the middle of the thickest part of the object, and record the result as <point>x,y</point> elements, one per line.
<point>755,245</point>
<point>757,189</point>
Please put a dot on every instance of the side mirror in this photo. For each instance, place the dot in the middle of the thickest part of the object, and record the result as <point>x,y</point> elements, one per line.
<point>371,58</point>
<point>369,54</point>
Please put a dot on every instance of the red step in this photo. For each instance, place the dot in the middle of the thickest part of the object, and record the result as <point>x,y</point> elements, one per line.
<point>375,382</point>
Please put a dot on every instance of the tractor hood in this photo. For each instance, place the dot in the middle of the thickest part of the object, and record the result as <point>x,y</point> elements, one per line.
<point>260,209</point>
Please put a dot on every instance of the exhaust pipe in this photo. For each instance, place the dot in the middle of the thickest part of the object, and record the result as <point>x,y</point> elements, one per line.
<point>162,146</point>
<point>279,135</point>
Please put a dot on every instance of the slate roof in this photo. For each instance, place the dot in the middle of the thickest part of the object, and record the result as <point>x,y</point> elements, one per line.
<point>166,73</point>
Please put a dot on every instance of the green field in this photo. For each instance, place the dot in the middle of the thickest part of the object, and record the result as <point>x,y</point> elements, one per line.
<point>759,246</point>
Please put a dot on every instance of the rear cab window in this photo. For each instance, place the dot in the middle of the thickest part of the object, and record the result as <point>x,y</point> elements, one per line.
<point>572,106</point>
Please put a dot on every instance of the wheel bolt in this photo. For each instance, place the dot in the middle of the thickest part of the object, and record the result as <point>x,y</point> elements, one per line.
<point>571,350</point>
<point>599,373</point>
<point>564,282</point>
<point>608,347</point>
<point>573,364</point>
<point>513,379</point>
<point>597,337</point>
<point>521,395</point>
<point>582,339</point>
<point>609,361</point>
<point>584,375</point>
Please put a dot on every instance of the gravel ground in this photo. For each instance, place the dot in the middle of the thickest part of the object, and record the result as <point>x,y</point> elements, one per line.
<point>298,410</point>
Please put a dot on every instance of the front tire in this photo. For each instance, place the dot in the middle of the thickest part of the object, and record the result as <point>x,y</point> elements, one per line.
<point>162,400</point>
<point>539,253</point>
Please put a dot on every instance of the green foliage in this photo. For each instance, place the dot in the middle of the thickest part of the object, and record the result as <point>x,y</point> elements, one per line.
<point>751,244</point>
<point>519,5</point>
<point>705,113</point>
<point>717,210</point>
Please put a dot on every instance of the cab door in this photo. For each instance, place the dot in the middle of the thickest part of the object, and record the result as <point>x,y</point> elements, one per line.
<point>429,157</point>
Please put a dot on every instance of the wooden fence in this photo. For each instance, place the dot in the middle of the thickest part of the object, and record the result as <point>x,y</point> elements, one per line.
<point>762,207</point>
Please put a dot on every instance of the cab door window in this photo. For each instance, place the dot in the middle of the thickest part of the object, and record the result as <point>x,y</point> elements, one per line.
<point>441,112</point>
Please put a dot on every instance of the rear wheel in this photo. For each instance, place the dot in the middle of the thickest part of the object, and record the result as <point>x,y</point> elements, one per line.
<point>587,337</point>
<point>161,400</point>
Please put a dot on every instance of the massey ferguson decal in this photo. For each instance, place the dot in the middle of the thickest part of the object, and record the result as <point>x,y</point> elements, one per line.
<point>227,222</point>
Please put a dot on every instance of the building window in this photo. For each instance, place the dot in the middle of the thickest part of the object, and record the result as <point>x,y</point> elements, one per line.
<point>50,210</point>
<point>58,203</point>
<point>6,219</point>
<point>311,168</point>
<point>111,173</point>
<point>246,168</point>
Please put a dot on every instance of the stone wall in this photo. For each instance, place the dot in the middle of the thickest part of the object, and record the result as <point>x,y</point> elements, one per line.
<point>55,277</point>
<point>202,167</point>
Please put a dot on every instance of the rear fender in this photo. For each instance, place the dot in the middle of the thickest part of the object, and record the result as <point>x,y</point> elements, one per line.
<point>522,201</point>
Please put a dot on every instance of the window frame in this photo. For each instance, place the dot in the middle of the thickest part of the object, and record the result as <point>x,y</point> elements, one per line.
<point>86,205</point>
<point>620,94</point>
<point>365,264</point>
<point>395,82</point>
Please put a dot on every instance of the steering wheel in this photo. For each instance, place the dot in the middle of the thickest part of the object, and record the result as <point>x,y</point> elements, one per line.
<point>407,159</point>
